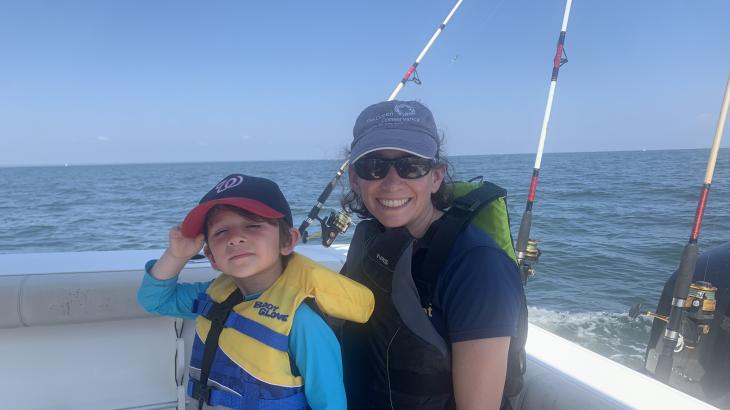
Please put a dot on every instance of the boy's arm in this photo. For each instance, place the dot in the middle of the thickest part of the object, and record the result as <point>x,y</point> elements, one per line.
<point>168,266</point>
<point>316,352</point>
<point>159,292</point>
<point>167,297</point>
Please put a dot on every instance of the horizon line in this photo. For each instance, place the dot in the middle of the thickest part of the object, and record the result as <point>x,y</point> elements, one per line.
<point>64,165</point>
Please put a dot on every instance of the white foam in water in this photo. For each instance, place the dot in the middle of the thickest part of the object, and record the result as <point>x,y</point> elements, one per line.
<point>613,335</point>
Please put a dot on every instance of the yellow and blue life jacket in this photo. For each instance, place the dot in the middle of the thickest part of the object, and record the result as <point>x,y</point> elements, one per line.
<point>249,365</point>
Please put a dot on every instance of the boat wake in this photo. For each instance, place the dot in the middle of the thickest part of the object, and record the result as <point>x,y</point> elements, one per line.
<point>610,334</point>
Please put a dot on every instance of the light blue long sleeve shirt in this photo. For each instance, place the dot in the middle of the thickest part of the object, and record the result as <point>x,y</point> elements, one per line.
<point>312,344</point>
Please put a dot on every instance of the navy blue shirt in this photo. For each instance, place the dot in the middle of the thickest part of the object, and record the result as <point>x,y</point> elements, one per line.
<point>478,292</point>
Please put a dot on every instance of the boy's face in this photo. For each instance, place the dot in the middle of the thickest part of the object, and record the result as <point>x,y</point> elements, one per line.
<point>244,248</point>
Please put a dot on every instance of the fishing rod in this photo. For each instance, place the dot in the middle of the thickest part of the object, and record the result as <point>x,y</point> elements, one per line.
<point>412,68</point>
<point>688,261</point>
<point>527,251</point>
<point>338,223</point>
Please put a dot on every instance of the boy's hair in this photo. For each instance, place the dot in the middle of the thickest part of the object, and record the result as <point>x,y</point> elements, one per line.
<point>285,238</point>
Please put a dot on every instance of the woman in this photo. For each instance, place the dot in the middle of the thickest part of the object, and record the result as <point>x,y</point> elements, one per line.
<point>433,342</point>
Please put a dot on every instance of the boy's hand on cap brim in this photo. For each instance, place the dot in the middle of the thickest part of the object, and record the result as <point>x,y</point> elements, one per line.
<point>175,257</point>
<point>182,247</point>
<point>179,252</point>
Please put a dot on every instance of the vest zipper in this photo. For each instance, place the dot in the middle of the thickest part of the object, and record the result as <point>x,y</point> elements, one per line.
<point>387,367</point>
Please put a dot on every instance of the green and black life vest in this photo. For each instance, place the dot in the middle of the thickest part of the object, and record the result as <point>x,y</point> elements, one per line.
<point>398,360</point>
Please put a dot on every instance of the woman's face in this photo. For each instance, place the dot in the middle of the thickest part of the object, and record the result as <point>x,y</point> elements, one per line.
<point>396,201</point>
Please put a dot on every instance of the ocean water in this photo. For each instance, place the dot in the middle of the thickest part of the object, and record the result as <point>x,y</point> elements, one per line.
<point>611,225</point>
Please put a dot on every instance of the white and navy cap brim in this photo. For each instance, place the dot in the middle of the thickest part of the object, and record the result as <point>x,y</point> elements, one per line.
<point>406,126</point>
<point>413,142</point>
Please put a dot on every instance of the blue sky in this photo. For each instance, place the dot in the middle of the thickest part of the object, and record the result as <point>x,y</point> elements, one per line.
<point>176,81</point>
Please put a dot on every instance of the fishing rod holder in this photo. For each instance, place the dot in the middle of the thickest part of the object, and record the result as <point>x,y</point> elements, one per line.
<point>637,310</point>
<point>697,314</point>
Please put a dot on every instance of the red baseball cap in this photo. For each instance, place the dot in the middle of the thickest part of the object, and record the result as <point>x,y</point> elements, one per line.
<point>259,196</point>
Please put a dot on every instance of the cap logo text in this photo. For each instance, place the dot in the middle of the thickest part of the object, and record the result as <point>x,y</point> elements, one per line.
<point>229,183</point>
<point>401,114</point>
<point>404,110</point>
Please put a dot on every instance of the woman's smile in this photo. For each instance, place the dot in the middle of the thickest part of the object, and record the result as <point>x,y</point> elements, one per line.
<point>394,203</point>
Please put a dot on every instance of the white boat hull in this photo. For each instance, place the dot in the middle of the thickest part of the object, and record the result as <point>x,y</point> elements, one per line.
<point>73,337</point>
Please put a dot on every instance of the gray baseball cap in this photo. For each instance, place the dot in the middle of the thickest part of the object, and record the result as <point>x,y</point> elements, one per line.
<point>400,125</point>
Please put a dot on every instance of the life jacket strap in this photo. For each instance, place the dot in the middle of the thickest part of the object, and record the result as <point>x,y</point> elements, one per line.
<point>199,391</point>
<point>217,313</point>
<point>463,210</point>
<point>258,331</point>
<point>203,306</point>
<point>217,397</point>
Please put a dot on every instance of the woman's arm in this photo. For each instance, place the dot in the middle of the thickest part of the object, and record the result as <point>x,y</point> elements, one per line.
<point>479,367</point>
<point>481,303</point>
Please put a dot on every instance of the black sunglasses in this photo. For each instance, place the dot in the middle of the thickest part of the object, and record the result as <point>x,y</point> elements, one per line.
<point>374,168</point>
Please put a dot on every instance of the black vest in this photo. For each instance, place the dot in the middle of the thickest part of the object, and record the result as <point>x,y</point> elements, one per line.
<point>397,359</point>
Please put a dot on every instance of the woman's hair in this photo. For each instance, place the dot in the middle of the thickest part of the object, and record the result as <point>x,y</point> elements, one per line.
<point>285,238</point>
<point>441,199</point>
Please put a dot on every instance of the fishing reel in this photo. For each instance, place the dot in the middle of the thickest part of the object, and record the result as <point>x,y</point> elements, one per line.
<point>529,259</point>
<point>336,223</point>
<point>698,312</point>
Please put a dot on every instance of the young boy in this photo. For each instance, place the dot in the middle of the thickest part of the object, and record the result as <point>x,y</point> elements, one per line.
<point>256,344</point>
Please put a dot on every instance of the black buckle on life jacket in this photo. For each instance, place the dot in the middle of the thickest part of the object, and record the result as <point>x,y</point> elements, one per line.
<point>201,392</point>
<point>466,203</point>
<point>217,315</point>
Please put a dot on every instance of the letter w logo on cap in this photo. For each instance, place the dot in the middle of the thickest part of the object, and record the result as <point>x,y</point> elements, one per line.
<point>229,183</point>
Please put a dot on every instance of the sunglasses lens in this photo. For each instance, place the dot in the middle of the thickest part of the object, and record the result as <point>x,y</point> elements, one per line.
<point>413,167</point>
<point>372,168</point>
